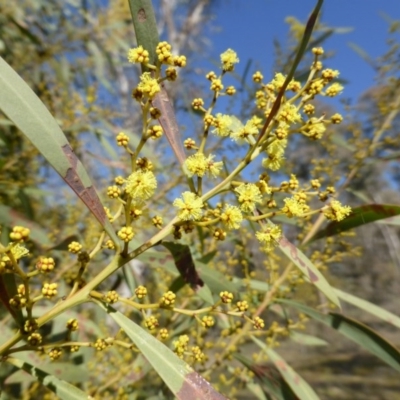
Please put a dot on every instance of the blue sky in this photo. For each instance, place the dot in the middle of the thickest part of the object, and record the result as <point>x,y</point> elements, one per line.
<point>249,27</point>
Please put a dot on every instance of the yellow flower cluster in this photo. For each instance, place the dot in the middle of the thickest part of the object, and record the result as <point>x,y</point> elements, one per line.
<point>189,207</point>
<point>140,185</point>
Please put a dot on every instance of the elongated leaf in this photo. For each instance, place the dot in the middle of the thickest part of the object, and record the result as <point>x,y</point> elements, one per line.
<point>182,380</point>
<point>308,269</point>
<point>21,105</point>
<point>307,340</point>
<point>169,124</point>
<point>272,381</point>
<point>60,370</point>
<point>299,386</point>
<point>369,307</point>
<point>356,331</point>
<point>61,388</point>
<point>360,216</point>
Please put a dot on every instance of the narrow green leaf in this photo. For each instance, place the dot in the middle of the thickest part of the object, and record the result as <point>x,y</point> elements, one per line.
<point>182,380</point>
<point>307,340</point>
<point>25,109</point>
<point>144,22</point>
<point>299,386</point>
<point>356,331</point>
<point>308,269</point>
<point>61,370</point>
<point>61,388</point>
<point>360,216</point>
<point>369,307</point>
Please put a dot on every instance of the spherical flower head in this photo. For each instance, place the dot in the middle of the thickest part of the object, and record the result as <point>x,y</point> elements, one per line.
<point>230,90</point>
<point>250,129</point>
<point>168,299</point>
<point>171,74</point>
<point>138,55</point>
<point>248,196</point>
<point>336,118</point>
<point>314,129</point>
<point>151,323</point>
<point>198,164</point>
<point>328,74</point>
<point>148,85</point>
<point>179,61</point>
<point>126,233</point>
<point>226,297</point>
<point>294,86</point>
<point>309,109</point>
<point>257,77</point>
<point>228,59</point>
<point>334,90</point>
<point>278,81</point>
<point>293,208</point>
<point>207,321</point>
<point>222,125</point>
<point>49,290</point>
<point>336,211</point>
<point>45,264</point>
<point>19,234</point>
<point>189,144</point>
<point>72,324</point>
<point>141,185</point>
<point>140,292</point>
<point>216,85</point>
<point>289,114</point>
<point>122,139</point>
<point>269,237</point>
<point>258,323</point>
<point>197,103</point>
<point>111,297</point>
<point>232,217</point>
<point>189,207</point>
<point>163,51</point>
<point>113,192</point>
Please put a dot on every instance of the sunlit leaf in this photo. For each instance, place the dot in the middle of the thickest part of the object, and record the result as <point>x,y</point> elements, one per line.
<point>21,105</point>
<point>370,308</point>
<point>61,388</point>
<point>312,274</point>
<point>181,379</point>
